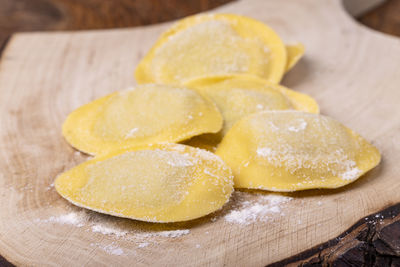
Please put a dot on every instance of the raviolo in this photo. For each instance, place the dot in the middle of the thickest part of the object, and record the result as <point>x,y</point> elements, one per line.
<point>237,97</point>
<point>292,150</point>
<point>146,114</point>
<point>212,45</point>
<point>161,183</point>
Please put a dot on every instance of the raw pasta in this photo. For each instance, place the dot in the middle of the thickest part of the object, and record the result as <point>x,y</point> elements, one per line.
<point>160,183</point>
<point>292,150</point>
<point>146,114</point>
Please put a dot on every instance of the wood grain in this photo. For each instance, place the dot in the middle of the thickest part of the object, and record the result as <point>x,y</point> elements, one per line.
<point>45,15</point>
<point>385,18</point>
<point>45,76</point>
<point>51,15</point>
<point>372,241</point>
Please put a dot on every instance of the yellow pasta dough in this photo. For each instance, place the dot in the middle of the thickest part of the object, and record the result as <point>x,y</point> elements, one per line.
<point>160,183</point>
<point>208,45</point>
<point>237,97</point>
<point>294,53</point>
<point>146,114</point>
<point>292,150</point>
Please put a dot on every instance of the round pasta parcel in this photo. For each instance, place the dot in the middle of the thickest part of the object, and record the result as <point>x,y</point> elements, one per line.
<point>237,97</point>
<point>293,150</point>
<point>212,45</point>
<point>159,183</point>
<point>146,114</point>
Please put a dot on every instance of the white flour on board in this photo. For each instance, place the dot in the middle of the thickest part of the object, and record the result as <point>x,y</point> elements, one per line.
<point>170,234</point>
<point>143,244</point>
<point>108,230</point>
<point>259,209</point>
<point>71,218</point>
<point>80,219</point>
<point>111,249</point>
<point>245,208</point>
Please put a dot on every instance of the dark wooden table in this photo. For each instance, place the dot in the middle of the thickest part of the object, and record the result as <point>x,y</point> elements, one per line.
<point>366,243</point>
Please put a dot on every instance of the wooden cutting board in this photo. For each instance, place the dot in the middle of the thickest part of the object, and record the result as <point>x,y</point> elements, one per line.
<point>353,72</point>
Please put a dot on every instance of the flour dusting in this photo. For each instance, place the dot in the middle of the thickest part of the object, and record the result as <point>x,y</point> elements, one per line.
<point>131,133</point>
<point>264,151</point>
<point>171,234</point>
<point>111,249</point>
<point>108,230</point>
<point>260,209</point>
<point>351,174</point>
<point>143,244</point>
<point>70,218</point>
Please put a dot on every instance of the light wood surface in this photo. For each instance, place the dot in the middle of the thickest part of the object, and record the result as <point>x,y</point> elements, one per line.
<point>57,15</point>
<point>353,73</point>
<point>53,15</point>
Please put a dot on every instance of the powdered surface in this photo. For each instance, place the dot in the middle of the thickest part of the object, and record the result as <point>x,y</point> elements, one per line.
<point>210,47</point>
<point>171,233</point>
<point>148,111</point>
<point>70,218</point>
<point>307,145</point>
<point>111,249</point>
<point>249,210</point>
<point>108,230</point>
